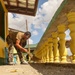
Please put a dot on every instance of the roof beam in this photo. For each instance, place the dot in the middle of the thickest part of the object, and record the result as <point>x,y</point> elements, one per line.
<point>21,12</point>
<point>17,3</point>
<point>36,6</point>
<point>19,8</point>
<point>26,5</point>
<point>8,2</point>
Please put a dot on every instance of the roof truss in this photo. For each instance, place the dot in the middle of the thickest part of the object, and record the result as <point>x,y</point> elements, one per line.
<point>26,7</point>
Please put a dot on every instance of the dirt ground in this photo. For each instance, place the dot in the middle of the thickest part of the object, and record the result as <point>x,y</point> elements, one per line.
<point>38,69</point>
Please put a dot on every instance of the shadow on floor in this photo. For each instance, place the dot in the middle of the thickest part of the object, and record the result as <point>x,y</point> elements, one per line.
<point>54,68</point>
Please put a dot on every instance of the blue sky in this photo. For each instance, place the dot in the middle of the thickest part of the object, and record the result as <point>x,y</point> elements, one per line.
<point>41,2</point>
<point>37,24</point>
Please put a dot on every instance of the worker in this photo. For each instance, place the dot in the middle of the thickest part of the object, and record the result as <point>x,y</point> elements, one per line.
<point>18,40</point>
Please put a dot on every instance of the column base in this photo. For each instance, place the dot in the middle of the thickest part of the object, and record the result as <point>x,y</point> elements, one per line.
<point>73,56</point>
<point>51,61</point>
<point>47,61</point>
<point>56,61</point>
<point>73,61</point>
<point>63,59</point>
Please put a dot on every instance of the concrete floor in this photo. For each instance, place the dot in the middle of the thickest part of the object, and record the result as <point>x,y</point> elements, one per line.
<point>38,69</point>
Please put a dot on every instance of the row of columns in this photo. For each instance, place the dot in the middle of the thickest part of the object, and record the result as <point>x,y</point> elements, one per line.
<point>71,20</point>
<point>54,50</point>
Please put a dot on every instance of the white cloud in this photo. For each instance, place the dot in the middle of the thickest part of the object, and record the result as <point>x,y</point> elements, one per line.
<point>45,14</point>
<point>69,51</point>
<point>30,41</point>
<point>35,32</point>
<point>67,32</point>
<point>19,22</point>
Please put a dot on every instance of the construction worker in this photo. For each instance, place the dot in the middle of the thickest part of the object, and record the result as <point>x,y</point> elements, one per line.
<point>18,40</point>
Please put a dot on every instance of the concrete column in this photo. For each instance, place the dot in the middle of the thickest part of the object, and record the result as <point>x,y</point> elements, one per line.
<point>44,54</point>
<point>51,58</point>
<point>62,47</point>
<point>71,20</point>
<point>47,52</point>
<point>55,47</point>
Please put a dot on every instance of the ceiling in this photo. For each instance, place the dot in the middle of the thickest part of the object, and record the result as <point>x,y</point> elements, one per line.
<point>26,7</point>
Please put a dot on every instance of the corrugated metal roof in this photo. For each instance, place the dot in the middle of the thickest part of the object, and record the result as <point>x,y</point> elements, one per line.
<point>31,46</point>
